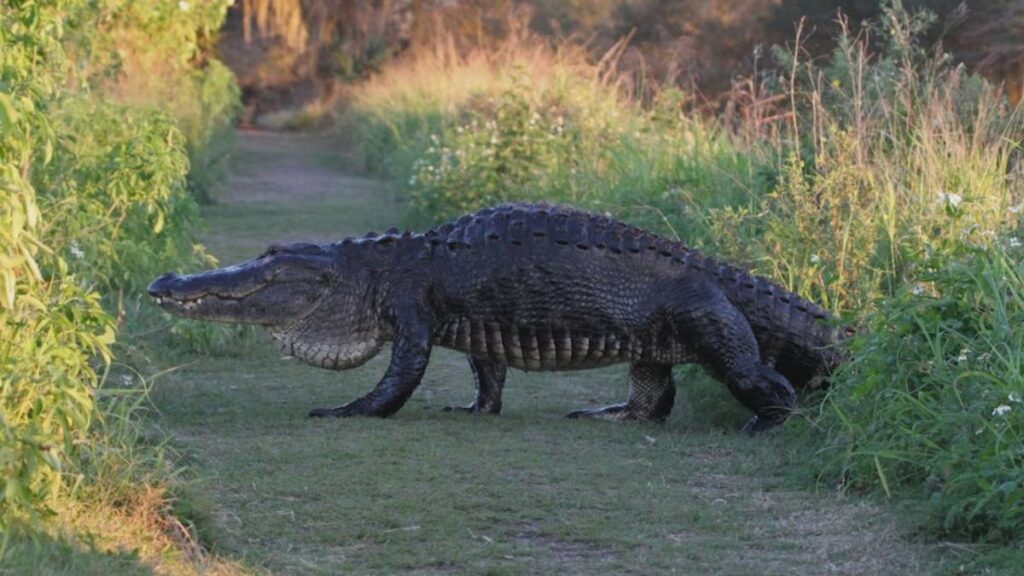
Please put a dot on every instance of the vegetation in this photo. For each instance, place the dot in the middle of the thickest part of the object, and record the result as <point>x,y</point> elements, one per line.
<point>95,201</point>
<point>883,183</point>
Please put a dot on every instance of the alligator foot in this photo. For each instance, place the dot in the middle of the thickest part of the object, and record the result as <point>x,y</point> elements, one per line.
<point>615,412</point>
<point>351,409</point>
<point>757,425</point>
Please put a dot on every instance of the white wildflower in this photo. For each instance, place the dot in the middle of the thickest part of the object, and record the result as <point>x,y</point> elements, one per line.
<point>815,258</point>
<point>183,6</point>
<point>1016,209</point>
<point>1014,397</point>
<point>1015,242</point>
<point>917,290</point>
<point>1001,410</point>
<point>76,250</point>
<point>126,379</point>
<point>963,356</point>
<point>950,199</point>
<point>412,180</point>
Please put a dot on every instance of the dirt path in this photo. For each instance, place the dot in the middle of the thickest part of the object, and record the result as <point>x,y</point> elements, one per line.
<point>527,492</point>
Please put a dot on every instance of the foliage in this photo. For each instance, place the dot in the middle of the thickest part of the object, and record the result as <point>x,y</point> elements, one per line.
<point>932,401</point>
<point>151,54</point>
<point>94,202</point>
<point>507,149</point>
<point>526,122</point>
<point>879,153</point>
<point>50,323</point>
<point>115,194</point>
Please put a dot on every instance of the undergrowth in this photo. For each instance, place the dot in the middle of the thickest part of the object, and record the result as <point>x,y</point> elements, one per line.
<point>95,203</point>
<point>858,182</point>
<point>930,405</point>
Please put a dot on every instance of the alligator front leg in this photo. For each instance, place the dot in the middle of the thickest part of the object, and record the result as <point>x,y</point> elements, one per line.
<point>409,356</point>
<point>490,379</point>
<point>728,350</point>
<point>651,396</point>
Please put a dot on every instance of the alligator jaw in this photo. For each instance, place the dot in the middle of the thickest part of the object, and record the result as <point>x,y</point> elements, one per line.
<point>185,305</point>
<point>173,294</point>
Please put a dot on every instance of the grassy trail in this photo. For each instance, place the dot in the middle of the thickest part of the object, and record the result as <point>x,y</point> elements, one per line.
<point>429,492</point>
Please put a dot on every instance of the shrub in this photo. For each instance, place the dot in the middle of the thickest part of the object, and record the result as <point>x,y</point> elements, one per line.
<point>94,201</point>
<point>50,323</point>
<point>150,55</point>
<point>527,121</point>
<point>932,401</point>
<point>114,193</point>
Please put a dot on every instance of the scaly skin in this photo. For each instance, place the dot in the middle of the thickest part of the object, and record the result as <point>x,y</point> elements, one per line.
<point>531,286</point>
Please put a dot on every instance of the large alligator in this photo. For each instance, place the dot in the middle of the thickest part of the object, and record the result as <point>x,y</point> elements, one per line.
<point>532,286</point>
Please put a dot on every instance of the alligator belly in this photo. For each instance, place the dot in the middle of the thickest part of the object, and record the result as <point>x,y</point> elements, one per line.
<point>550,347</point>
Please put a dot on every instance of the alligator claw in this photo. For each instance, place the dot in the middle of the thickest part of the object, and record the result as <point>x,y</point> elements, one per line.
<point>613,412</point>
<point>473,409</point>
<point>338,412</point>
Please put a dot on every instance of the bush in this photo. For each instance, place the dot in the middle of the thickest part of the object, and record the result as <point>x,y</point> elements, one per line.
<point>50,323</point>
<point>878,152</point>
<point>526,121</point>
<point>94,202</point>
<point>932,401</point>
<point>115,196</point>
<point>151,55</point>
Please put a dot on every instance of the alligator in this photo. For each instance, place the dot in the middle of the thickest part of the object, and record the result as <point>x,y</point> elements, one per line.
<point>528,286</point>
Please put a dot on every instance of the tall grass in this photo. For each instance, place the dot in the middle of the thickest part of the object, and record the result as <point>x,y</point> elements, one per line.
<point>877,180</point>
<point>886,159</point>
<point>396,111</point>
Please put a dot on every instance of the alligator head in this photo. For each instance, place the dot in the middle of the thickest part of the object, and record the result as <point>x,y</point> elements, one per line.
<point>284,284</point>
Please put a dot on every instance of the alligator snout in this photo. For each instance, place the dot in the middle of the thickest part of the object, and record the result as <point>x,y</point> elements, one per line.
<point>161,287</point>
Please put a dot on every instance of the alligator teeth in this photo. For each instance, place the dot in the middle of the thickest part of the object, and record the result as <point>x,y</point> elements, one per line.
<point>199,301</point>
<point>159,300</point>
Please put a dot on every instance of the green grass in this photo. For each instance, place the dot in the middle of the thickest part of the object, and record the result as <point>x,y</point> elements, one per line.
<point>526,492</point>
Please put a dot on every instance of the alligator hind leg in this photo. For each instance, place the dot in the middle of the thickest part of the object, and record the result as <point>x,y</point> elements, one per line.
<point>651,396</point>
<point>490,379</point>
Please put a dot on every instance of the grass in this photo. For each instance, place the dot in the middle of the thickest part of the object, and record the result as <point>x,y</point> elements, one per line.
<point>527,492</point>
